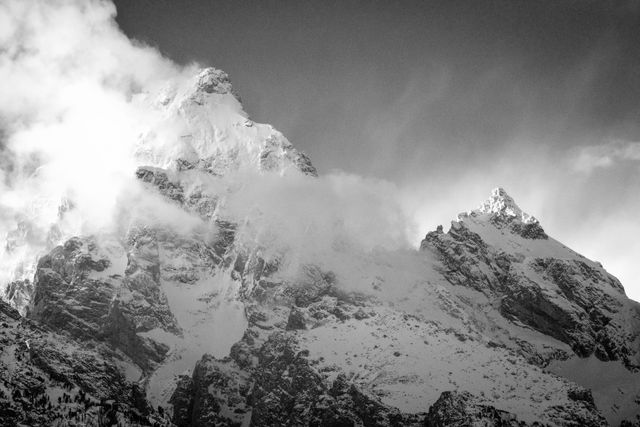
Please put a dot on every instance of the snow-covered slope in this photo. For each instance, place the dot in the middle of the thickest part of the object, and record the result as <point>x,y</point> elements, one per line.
<point>487,324</point>
<point>203,126</point>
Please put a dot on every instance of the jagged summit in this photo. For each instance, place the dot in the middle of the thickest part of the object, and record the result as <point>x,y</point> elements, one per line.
<point>212,80</point>
<point>203,125</point>
<point>501,203</point>
<point>502,212</point>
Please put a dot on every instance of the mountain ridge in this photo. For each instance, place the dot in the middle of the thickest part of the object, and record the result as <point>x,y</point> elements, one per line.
<point>201,321</point>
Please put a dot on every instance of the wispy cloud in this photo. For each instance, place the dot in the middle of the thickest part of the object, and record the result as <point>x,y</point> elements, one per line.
<point>587,159</point>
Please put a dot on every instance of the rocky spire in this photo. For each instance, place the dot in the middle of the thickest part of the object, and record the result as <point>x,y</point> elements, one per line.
<point>500,203</point>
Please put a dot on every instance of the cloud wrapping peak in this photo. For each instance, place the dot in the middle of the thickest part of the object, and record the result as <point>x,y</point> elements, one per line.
<point>68,78</point>
<point>70,117</point>
<point>81,112</point>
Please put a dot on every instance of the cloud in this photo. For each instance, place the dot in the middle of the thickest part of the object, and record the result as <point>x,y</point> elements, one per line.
<point>70,84</point>
<point>587,159</point>
<point>76,106</point>
<point>309,218</point>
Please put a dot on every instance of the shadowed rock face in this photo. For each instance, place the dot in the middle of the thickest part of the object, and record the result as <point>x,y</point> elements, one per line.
<point>455,409</point>
<point>194,403</point>
<point>66,297</point>
<point>588,324</point>
<point>73,296</point>
<point>37,365</point>
<point>460,409</point>
<point>282,388</point>
<point>159,179</point>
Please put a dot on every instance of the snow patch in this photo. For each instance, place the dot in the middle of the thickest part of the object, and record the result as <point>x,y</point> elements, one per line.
<point>212,319</point>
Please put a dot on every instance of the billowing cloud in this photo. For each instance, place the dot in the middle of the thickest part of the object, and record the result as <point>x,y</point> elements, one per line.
<point>69,81</point>
<point>77,100</point>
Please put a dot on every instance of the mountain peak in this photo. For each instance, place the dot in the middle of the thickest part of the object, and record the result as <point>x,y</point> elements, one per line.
<point>501,211</point>
<point>212,80</point>
<point>500,203</point>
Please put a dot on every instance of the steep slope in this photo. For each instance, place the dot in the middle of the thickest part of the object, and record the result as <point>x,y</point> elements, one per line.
<point>540,284</point>
<point>221,326</point>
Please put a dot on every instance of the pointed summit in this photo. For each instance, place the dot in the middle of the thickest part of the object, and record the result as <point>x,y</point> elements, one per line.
<point>501,211</point>
<point>502,204</point>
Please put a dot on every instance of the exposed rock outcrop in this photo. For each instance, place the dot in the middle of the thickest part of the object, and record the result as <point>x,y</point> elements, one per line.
<point>76,293</point>
<point>48,378</point>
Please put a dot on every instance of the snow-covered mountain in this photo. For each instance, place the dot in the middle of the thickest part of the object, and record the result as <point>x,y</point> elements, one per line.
<point>206,305</point>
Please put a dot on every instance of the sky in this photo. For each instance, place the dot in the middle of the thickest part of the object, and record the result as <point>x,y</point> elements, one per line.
<point>445,99</point>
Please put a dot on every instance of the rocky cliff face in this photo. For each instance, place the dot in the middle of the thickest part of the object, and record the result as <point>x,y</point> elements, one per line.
<point>154,324</point>
<point>51,379</point>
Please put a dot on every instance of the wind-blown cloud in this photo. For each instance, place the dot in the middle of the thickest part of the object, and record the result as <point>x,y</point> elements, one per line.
<point>587,159</point>
<point>312,219</point>
<point>75,107</point>
<point>69,119</point>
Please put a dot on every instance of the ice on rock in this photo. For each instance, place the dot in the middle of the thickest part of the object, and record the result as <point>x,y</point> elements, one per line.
<point>501,203</point>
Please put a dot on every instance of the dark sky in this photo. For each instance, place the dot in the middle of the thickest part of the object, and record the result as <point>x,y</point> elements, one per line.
<point>446,99</point>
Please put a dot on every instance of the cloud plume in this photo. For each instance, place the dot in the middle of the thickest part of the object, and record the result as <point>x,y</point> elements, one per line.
<point>76,106</point>
<point>70,81</point>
